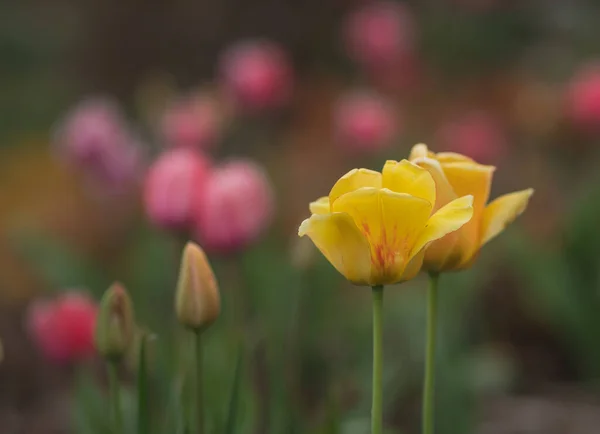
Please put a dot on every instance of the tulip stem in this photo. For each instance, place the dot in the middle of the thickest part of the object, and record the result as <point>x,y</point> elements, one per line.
<point>429,383</point>
<point>199,395</point>
<point>115,397</point>
<point>377,406</point>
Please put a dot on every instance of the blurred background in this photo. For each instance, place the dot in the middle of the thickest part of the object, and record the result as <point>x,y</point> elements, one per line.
<point>128,127</point>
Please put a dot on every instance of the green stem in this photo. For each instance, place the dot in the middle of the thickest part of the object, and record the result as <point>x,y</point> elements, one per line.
<point>377,407</point>
<point>199,394</point>
<point>115,397</point>
<point>429,383</point>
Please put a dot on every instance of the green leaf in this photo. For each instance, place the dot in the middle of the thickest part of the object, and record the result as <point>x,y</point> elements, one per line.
<point>143,414</point>
<point>235,394</point>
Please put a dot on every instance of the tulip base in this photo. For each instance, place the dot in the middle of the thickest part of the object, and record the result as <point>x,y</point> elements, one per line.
<point>377,405</point>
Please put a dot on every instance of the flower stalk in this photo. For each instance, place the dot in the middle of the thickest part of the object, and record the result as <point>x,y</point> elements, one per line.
<point>377,404</point>
<point>199,383</point>
<point>430,356</point>
<point>197,306</point>
<point>115,397</point>
<point>115,328</point>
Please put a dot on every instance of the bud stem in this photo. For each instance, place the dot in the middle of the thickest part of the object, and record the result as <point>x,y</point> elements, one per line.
<point>429,383</point>
<point>115,397</point>
<point>199,370</point>
<point>377,407</point>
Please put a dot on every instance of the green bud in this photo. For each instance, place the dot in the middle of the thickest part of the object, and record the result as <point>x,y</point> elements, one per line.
<point>115,327</point>
<point>197,300</point>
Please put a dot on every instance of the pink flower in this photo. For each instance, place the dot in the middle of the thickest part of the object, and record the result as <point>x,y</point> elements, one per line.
<point>94,138</point>
<point>476,134</point>
<point>64,328</point>
<point>583,97</point>
<point>237,207</point>
<point>364,122</point>
<point>174,183</point>
<point>379,33</point>
<point>257,75</point>
<point>191,122</point>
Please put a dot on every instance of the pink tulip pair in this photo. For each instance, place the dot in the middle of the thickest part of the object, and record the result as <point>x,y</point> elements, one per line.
<point>224,207</point>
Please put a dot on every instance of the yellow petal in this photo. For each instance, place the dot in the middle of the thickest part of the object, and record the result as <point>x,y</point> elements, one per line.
<point>340,241</point>
<point>391,223</point>
<point>476,180</point>
<point>470,178</point>
<point>449,252</point>
<point>452,157</point>
<point>413,267</point>
<point>448,219</point>
<point>407,177</point>
<point>501,212</point>
<point>444,191</point>
<point>353,180</point>
<point>420,151</point>
<point>320,206</point>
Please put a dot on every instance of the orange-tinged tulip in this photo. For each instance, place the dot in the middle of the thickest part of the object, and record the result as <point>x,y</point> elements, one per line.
<point>456,175</point>
<point>374,227</point>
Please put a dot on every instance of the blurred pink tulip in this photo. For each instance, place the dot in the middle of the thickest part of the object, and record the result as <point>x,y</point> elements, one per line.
<point>583,97</point>
<point>364,122</point>
<point>476,134</point>
<point>63,328</point>
<point>94,138</point>
<point>257,75</point>
<point>174,183</point>
<point>237,207</point>
<point>379,33</point>
<point>191,122</point>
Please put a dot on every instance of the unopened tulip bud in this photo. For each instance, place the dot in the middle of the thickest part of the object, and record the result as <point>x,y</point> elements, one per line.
<point>115,328</point>
<point>197,300</point>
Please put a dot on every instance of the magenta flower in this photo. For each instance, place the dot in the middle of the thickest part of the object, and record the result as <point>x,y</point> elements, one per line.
<point>191,122</point>
<point>174,183</point>
<point>94,138</point>
<point>63,328</point>
<point>237,207</point>
<point>379,33</point>
<point>257,75</point>
<point>583,97</point>
<point>364,122</point>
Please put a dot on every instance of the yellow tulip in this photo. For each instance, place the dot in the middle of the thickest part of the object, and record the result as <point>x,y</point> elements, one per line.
<point>456,175</point>
<point>374,227</point>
